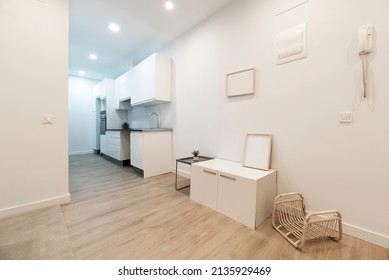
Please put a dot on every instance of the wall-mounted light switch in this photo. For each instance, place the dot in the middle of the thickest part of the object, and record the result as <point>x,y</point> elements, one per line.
<point>47,119</point>
<point>346,117</point>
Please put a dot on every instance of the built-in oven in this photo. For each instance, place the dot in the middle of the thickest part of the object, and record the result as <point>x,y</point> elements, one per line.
<point>103,122</point>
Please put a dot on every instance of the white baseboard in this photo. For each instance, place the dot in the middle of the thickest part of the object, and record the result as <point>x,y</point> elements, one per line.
<point>34,205</point>
<point>181,173</point>
<point>81,153</point>
<point>366,235</point>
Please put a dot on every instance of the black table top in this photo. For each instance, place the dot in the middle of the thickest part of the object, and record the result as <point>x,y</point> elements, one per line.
<point>189,160</point>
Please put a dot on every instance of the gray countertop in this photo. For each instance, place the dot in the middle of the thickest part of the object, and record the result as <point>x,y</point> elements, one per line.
<point>142,129</point>
<point>118,129</point>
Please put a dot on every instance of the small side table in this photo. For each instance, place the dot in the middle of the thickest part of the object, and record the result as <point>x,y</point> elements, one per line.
<point>189,161</point>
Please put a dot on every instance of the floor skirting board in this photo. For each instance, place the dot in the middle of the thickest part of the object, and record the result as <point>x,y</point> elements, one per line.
<point>115,161</point>
<point>81,153</point>
<point>34,205</point>
<point>181,173</point>
<point>366,235</point>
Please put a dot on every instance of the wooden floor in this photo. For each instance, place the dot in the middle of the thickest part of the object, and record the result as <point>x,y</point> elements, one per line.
<point>116,214</point>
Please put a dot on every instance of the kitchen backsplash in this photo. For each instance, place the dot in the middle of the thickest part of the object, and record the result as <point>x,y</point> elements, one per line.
<point>138,117</point>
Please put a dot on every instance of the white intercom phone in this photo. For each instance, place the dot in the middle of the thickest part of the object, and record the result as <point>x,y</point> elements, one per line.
<point>365,39</point>
<point>365,46</point>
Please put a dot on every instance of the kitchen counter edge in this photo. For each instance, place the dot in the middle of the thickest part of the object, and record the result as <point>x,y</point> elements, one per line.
<point>141,129</point>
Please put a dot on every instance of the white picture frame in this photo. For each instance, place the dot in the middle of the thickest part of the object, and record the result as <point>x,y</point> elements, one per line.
<point>257,151</point>
<point>240,83</point>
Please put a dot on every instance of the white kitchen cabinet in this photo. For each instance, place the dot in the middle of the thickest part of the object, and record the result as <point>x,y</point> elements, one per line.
<point>103,148</point>
<point>115,118</point>
<point>243,194</point>
<point>96,91</point>
<point>151,152</point>
<point>118,81</point>
<point>151,81</point>
<point>122,92</point>
<point>137,148</point>
<point>118,145</point>
<point>148,83</point>
<point>106,90</point>
<point>103,104</point>
<point>103,88</point>
<point>96,104</point>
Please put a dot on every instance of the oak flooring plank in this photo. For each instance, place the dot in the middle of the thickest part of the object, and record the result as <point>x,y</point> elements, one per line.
<point>116,214</point>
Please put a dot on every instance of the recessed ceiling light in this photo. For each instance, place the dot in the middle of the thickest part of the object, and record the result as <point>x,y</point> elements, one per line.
<point>114,27</point>
<point>169,5</point>
<point>81,73</point>
<point>93,56</point>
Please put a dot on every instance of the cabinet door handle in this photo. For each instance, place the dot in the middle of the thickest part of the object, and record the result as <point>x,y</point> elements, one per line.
<point>209,172</point>
<point>227,177</point>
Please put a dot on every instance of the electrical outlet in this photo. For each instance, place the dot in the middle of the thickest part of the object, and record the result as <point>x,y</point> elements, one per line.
<point>346,117</point>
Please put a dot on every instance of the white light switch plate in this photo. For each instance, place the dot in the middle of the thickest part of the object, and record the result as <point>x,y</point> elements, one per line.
<point>345,117</point>
<point>47,119</point>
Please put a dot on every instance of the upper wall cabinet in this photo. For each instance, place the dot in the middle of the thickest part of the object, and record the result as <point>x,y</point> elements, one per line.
<point>96,91</point>
<point>103,88</point>
<point>122,86</point>
<point>122,92</point>
<point>151,81</point>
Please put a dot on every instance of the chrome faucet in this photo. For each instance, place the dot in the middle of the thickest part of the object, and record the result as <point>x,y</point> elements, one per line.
<point>158,123</point>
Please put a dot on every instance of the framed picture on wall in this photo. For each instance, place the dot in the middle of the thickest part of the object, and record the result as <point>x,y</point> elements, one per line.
<point>241,82</point>
<point>257,151</point>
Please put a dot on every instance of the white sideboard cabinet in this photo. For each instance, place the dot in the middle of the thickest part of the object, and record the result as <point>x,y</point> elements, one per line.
<point>204,186</point>
<point>241,193</point>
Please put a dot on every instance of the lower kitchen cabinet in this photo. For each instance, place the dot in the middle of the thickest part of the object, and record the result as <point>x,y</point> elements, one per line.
<point>243,194</point>
<point>137,149</point>
<point>117,145</point>
<point>151,152</point>
<point>103,146</point>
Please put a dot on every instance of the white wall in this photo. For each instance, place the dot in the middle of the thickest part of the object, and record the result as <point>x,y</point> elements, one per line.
<point>81,116</point>
<point>138,117</point>
<point>33,71</point>
<point>335,166</point>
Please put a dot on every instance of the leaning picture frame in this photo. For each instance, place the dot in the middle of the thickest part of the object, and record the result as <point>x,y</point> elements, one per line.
<point>257,151</point>
<point>240,83</point>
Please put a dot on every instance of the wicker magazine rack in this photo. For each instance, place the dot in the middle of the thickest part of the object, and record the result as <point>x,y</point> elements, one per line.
<point>292,221</point>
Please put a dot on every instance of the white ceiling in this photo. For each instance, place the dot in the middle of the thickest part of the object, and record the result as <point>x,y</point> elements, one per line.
<point>146,26</point>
